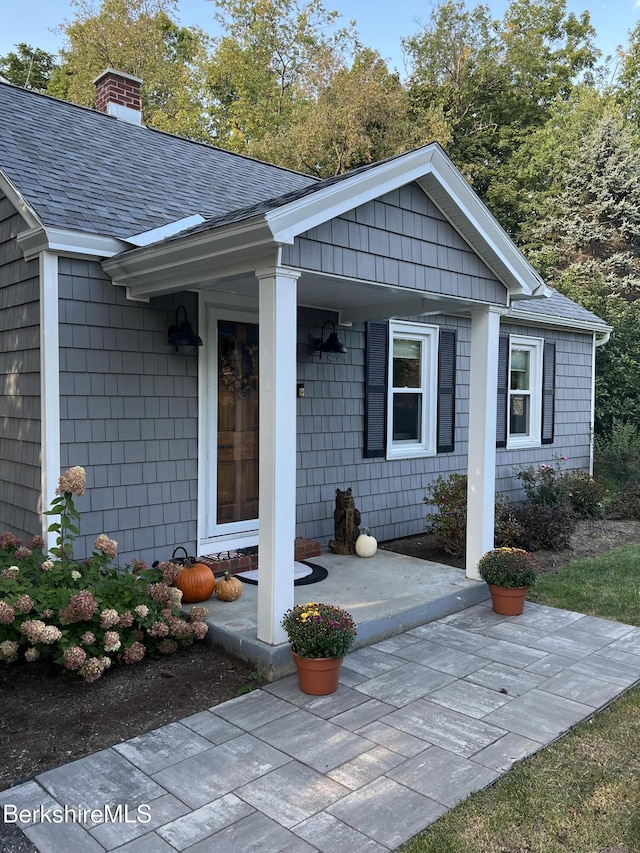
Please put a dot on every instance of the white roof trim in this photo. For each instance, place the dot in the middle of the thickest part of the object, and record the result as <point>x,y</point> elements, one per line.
<point>438,176</point>
<point>145,238</point>
<point>66,242</point>
<point>19,202</point>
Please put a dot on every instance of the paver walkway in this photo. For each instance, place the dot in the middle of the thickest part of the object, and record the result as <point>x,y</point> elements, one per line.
<point>419,722</point>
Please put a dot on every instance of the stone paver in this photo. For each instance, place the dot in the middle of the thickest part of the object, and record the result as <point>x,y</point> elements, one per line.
<point>163,747</point>
<point>220,770</point>
<point>420,720</point>
<point>443,777</point>
<point>406,682</point>
<point>313,741</point>
<point>539,715</point>
<point>452,730</point>
<point>386,811</point>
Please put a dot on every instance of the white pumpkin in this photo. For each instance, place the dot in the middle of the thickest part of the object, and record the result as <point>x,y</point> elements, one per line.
<point>366,544</point>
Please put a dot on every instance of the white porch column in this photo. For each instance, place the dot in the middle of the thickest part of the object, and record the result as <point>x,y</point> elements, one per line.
<point>49,389</point>
<point>483,389</point>
<point>277,447</point>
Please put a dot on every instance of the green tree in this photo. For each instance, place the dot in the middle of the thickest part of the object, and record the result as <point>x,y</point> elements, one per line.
<point>268,68</point>
<point>541,163</point>
<point>589,242</point>
<point>359,117</point>
<point>627,85</point>
<point>28,67</point>
<point>594,227</point>
<point>141,38</point>
<point>495,83</point>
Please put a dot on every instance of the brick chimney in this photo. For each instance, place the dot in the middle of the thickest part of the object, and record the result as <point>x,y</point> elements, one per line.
<point>118,94</point>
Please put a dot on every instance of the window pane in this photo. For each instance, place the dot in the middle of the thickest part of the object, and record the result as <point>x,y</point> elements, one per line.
<point>407,417</point>
<point>519,415</point>
<point>520,370</point>
<point>406,363</point>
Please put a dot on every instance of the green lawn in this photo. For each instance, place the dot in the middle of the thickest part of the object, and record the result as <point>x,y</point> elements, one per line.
<point>606,586</point>
<point>582,793</point>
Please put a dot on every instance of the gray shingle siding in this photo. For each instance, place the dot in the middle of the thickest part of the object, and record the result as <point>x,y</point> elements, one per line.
<point>129,416</point>
<point>20,377</point>
<point>400,239</point>
<point>389,494</point>
<point>572,410</point>
<point>129,412</point>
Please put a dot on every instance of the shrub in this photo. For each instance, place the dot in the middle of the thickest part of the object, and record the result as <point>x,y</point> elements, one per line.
<point>449,523</point>
<point>617,454</point>
<point>545,485</point>
<point>86,616</point>
<point>544,527</point>
<point>626,504</point>
<point>550,486</point>
<point>508,528</point>
<point>509,568</point>
<point>585,494</point>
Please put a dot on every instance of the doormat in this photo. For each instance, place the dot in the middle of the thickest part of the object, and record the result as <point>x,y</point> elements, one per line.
<point>303,573</point>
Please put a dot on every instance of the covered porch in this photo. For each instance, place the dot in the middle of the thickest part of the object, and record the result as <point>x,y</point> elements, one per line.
<point>303,252</point>
<point>386,594</point>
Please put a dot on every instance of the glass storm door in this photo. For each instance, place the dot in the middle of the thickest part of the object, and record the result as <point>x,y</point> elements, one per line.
<point>237,424</point>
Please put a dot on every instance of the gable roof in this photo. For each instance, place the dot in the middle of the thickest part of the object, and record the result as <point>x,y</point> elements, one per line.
<point>82,170</point>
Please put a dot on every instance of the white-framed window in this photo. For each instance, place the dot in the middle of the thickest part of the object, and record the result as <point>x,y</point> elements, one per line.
<point>412,390</point>
<point>524,409</point>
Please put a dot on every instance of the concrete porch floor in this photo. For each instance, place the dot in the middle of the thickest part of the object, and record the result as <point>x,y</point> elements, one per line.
<point>386,594</point>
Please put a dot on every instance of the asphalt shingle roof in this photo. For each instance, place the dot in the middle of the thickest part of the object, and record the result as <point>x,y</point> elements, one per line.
<point>82,170</point>
<point>557,306</point>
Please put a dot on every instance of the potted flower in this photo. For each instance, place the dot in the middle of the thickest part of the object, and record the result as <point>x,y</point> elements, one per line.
<point>320,636</point>
<point>509,572</point>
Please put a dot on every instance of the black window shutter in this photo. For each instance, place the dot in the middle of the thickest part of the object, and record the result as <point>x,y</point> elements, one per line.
<point>446,391</point>
<point>503,391</point>
<point>548,391</point>
<point>376,366</point>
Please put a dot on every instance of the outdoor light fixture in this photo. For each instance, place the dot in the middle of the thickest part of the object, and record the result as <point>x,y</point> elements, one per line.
<point>181,336</point>
<point>332,345</point>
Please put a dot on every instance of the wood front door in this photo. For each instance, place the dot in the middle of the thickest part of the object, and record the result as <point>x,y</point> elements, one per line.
<point>237,427</point>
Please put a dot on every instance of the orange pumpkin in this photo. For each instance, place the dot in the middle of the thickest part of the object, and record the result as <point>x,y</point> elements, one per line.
<point>196,582</point>
<point>228,588</point>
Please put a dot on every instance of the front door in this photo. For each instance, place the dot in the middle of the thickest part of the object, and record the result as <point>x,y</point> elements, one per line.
<point>237,438</point>
<point>231,424</point>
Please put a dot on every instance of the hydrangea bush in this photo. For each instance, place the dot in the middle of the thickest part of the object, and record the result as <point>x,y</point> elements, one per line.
<point>86,616</point>
<point>319,630</point>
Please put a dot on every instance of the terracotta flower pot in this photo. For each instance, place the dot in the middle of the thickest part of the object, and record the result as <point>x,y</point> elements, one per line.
<point>508,602</point>
<point>318,676</point>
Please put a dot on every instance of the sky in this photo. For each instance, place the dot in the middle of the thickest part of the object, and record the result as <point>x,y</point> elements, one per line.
<point>34,21</point>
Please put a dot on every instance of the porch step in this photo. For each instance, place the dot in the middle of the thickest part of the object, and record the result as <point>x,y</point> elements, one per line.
<point>387,594</point>
<point>246,559</point>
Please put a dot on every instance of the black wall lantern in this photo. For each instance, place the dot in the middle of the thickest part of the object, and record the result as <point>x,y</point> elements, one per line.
<point>332,345</point>
<point>181,336</point>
